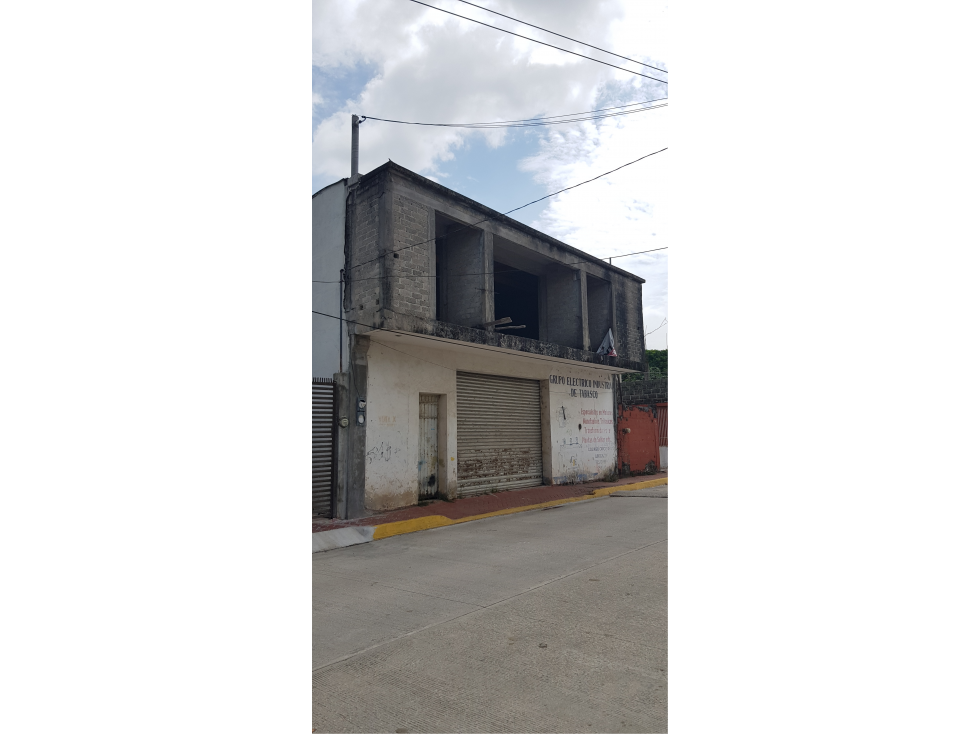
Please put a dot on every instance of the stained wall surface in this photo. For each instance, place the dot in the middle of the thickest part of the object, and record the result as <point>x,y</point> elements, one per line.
<point>578,439</point>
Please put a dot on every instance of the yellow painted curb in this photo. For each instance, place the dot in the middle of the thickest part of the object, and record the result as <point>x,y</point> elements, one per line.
<point>428,522</point>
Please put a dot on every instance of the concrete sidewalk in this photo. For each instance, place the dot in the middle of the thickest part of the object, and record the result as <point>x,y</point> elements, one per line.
<point>330,534</point>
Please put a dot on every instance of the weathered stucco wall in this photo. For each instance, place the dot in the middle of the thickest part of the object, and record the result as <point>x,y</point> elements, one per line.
<point>394,382</point>
<point>578,440</point>
<point>581,405</point>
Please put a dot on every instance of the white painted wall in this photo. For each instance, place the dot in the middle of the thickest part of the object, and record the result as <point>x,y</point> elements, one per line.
<point>581,407</point>
<point>329,211</point>
<point>400,368</point>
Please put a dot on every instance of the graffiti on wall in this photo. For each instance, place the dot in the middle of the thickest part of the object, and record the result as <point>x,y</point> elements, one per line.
<point>382,452</point>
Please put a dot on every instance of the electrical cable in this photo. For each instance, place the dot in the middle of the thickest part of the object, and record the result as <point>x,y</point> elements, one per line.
<point>466,275</point>
<point>532,122</point>
<point>612,53</point>
<point>656,329</point>
<point>551,117</point>
<point>497,216</point>
<point>528,38</point>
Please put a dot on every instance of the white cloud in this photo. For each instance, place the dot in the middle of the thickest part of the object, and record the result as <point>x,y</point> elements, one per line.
<point>619,213</point>
<point>433,67</point>
<point>436,68</point>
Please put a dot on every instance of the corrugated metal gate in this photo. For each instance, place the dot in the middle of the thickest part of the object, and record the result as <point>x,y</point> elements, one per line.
<point>324,446</point>
<point>498,433</point>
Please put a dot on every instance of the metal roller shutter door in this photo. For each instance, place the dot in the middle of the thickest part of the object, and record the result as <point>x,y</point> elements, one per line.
<point>324,448</point>
<point>498,433</point>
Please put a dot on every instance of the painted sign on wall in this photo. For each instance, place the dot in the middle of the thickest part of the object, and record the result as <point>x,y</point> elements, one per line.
<point>582,427</point>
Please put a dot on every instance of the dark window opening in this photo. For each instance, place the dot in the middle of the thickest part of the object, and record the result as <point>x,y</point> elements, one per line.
<point>515,295</point>
<point>599,311</point>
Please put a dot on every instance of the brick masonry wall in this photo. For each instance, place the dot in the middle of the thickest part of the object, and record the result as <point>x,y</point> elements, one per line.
<point>363,214</point>
<point>643,392</point>
<point>414,295</point>
<point>628,318</point>
<point>413,291</point>
<point>444,203</point>
<point>463,253</point>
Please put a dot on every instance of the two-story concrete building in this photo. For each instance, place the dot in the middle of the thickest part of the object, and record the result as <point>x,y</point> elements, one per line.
<point>466,360</point>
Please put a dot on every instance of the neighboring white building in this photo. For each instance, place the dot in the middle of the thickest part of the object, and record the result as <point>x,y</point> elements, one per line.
<point>440,398</point>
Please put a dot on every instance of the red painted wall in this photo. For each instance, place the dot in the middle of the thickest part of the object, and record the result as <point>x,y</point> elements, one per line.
<point>639,447</point>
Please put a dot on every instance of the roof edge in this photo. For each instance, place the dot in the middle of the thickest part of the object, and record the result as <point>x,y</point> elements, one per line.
<point>499,216</point>
<point>342,180</point>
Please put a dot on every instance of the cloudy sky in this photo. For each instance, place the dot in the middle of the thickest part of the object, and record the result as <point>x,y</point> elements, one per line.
<point>400,60</point>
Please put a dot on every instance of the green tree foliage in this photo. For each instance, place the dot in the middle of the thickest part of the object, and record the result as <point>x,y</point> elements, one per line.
<point>657,361</point>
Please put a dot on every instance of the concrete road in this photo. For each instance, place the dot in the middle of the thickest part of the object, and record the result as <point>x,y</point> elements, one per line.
<point>544,621</point>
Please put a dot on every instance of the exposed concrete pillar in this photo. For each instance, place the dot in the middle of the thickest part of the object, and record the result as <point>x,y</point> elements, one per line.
<point>583,291</point>
<point>545,426</point>
<point>613,294</point>
<point>542,309</point>
<point>356,435</point>
<point>489,302</point>
<point>433,287</point>
<point>385,244</point>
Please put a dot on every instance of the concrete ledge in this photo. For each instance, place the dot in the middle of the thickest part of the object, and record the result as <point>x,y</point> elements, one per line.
<point>341,538</point>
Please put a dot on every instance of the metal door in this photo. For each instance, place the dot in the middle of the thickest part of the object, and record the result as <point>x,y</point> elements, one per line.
<point>428,446</point>
<point>324,446</point>
<point>498,433</point>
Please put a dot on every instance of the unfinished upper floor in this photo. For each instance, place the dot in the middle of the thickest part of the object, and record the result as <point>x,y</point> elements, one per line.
<point>421,258</point>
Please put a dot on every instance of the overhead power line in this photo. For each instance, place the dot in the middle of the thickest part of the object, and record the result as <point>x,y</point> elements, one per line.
<point>657,328</point>
<point>523,206</point>
<point>528,38</point>
<point>531,122</point>
<point>612,53</point>
<point>644,252</point>
<point>466,275</point>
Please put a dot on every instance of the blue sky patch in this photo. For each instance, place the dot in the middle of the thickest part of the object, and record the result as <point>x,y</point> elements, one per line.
<point>491,176</point>
<point>338,85</point>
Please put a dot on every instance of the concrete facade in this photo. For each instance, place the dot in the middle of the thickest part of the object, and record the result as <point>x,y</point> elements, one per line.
<point>421,295</point>
<point>577,415</point>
